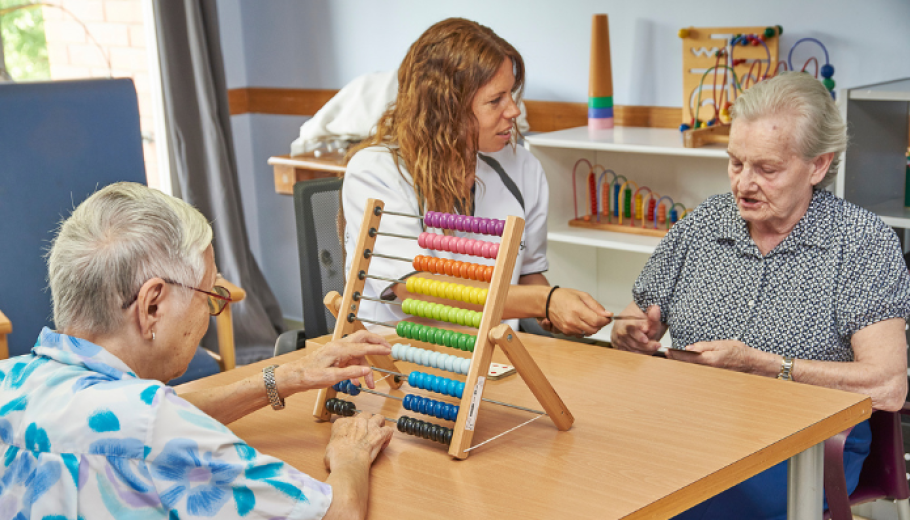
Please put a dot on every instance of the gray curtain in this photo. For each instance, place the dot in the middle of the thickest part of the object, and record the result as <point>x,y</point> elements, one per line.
<point>202,157</point>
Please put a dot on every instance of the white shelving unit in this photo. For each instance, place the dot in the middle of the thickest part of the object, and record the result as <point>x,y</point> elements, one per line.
<point>605,263</point>
<point>872,174</point>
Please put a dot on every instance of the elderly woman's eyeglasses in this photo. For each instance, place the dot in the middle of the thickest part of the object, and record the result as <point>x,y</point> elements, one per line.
<point>217,299</point>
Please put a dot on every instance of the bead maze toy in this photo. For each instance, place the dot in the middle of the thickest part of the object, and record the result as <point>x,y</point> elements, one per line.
<point>614,206</point>
<point>470,355</point>
<point>741,57</point>
<point>600,83</point>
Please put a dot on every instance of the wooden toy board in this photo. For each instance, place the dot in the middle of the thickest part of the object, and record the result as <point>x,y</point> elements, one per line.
<point>699,49</point>
<point>609,224</point>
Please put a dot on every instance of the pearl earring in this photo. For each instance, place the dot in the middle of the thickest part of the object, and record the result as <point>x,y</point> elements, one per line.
<point>153,336</point>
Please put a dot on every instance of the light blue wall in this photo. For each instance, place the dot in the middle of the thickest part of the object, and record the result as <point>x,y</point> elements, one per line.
<point>326,43</point>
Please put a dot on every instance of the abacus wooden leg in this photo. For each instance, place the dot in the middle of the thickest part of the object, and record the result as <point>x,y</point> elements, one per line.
<point>333,303</point>
<point>540,386</point>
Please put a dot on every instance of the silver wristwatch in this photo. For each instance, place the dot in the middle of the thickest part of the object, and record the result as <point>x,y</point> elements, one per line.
<point>271,388</point>
<point>786,369</point>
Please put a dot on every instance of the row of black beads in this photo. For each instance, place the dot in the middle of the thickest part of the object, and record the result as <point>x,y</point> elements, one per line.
<point>433,432</point>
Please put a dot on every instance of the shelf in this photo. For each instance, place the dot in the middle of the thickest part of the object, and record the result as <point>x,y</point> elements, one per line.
<point>892,212</point>
<point>652,141</point>
<point>897,90</point>
<point>602,239</point>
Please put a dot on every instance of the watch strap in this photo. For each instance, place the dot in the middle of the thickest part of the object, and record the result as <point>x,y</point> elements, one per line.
<point>271,387</point>
<point>786,369</point>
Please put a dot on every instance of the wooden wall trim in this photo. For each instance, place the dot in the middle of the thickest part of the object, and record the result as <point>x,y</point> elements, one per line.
<point>543,116</point>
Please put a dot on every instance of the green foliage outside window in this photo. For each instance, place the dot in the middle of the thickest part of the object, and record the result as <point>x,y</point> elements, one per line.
<point>24,45</point>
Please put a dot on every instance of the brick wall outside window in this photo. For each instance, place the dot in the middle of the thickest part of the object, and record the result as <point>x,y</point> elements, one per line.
<point>117,27</point>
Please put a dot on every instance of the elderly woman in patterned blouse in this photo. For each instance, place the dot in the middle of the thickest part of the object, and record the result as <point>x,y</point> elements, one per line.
<point>780,278</point>
<point>89,430</point>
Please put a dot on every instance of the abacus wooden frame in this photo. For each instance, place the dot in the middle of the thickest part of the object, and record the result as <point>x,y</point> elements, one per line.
<point>489,334</point>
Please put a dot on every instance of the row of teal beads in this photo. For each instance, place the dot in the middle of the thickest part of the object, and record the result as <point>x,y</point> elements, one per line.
<point>436,384</point>
<point>436,336</point>
<point>440,312</point>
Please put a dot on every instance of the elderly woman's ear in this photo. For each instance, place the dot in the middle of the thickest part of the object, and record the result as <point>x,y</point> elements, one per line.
<point>148,306</point>
<point>820,167</point>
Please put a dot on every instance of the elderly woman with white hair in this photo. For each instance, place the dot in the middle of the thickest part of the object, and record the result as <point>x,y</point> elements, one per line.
<point>780,278</point>
<point>89,430</point>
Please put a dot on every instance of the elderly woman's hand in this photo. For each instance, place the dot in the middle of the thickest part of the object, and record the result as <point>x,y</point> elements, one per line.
<point>337,361</point>
<point>638,335</point>
<point>357,439</point>
<point>575,313</point>
<point>729,354</point>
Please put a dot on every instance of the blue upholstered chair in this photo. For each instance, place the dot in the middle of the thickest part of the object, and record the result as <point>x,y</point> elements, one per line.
<point>59,142</point>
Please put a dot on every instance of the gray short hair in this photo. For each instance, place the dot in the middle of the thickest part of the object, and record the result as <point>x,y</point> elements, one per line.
<point>820,127</point>
<point>116,240</point>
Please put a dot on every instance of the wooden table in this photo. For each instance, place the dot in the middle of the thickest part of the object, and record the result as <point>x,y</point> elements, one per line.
<point>289,170</point>
<point>652,438</point>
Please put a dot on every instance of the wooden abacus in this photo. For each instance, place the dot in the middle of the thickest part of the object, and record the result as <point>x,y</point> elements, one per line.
<point>490,331</point>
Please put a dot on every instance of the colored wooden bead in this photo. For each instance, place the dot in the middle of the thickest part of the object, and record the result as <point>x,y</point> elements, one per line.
<point>827,71</point>
<point>422,239</point>
<point>770,32</point>
<point>683,127</point>
<point>494,251</point>
<point>683,33</point>
<point>476,319</point>
<point>828,83</point>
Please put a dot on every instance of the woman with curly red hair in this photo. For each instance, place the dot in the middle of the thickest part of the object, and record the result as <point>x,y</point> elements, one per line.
<point>448,144</point>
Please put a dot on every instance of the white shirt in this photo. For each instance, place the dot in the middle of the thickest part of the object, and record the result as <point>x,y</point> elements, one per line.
<point>372,173</point>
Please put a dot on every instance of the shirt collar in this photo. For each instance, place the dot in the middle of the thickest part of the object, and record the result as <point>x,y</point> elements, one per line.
<point>74,351</point>
<point>814,229</point>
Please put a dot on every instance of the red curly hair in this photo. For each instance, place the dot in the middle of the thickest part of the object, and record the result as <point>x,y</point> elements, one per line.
<point>431,125</point>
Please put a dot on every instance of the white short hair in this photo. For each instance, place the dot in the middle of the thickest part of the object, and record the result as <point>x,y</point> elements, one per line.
<point>116,240</point>
<point>820,128</point>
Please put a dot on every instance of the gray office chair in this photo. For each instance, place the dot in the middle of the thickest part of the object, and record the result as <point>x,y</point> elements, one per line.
<point>316,205</point>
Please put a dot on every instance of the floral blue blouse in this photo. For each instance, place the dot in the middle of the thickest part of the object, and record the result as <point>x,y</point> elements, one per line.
<point>82,437</point>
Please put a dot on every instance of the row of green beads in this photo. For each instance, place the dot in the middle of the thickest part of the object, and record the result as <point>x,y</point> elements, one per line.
<point>600,102</point>
<point>436,336</point>
<point>440,312</point>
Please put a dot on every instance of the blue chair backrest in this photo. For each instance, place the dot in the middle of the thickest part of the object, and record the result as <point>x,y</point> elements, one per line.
<point>59,142</point>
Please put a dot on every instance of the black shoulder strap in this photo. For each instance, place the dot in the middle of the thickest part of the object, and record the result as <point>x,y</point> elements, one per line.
<point>504,177</point>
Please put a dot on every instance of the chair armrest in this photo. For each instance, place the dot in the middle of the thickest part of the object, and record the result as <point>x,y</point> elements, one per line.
<point>835,478</point>
<point>237,294</point>
<point>6,327</point>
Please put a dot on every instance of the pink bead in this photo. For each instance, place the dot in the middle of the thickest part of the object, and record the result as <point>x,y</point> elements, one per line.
<point>494,251</point>
<point>487,249</point>
<point>446,242</point>
<point>422,240</point>
<point>460,245</point>
<point>478,247</point>
<point>437,242</point>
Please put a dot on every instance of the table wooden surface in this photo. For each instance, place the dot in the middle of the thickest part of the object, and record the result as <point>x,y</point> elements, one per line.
<point>289,170</point>
<point>652,438</point>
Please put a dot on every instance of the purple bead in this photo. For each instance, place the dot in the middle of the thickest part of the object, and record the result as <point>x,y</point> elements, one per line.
<point>483,225</point>
<point>500,227</point>
<point>475,224</point>
<point>450,221</point>
<point>459,222</point>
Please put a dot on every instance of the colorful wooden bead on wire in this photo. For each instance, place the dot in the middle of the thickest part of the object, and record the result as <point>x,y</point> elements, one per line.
<point>447,290</point>
<point>468,224</point>
<point>460,245</point>
<point>430,358</point>
<point>440,385</point>
<point>439,312</point>
<point>436,336</point>
<point>411,402</point>
<point>466,270</point>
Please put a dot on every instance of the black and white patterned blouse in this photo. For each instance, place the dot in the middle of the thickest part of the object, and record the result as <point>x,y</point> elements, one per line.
<point>839,270</point>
